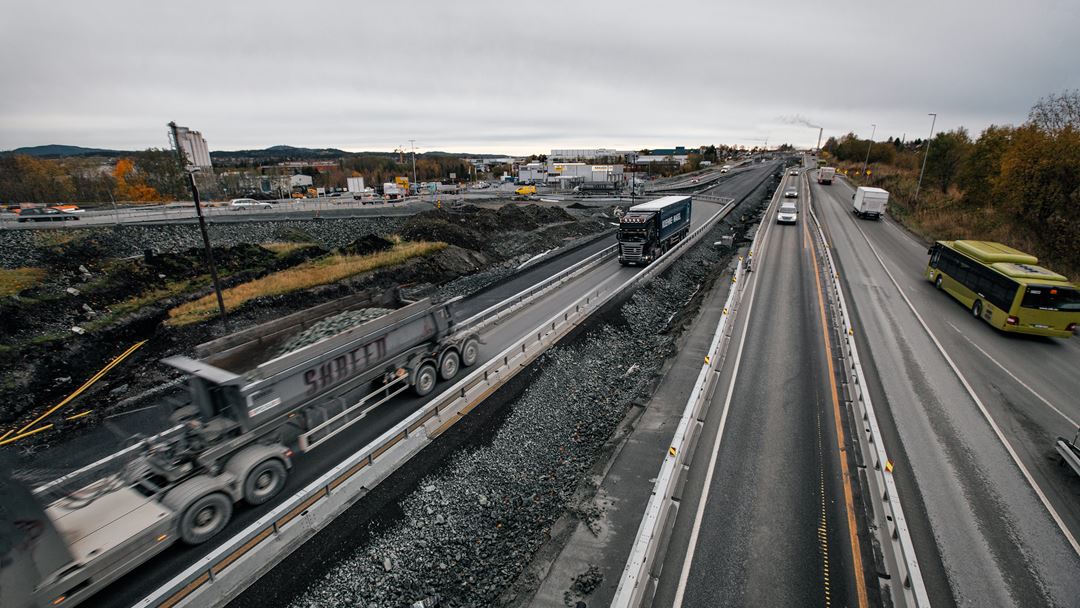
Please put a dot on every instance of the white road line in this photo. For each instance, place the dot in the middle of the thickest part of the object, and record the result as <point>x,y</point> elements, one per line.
<point>982,408</point>
<point>684,574</point>
<point>1018,380</point>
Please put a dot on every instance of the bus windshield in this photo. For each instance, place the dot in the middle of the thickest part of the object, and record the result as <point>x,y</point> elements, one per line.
<point>1051,298</point>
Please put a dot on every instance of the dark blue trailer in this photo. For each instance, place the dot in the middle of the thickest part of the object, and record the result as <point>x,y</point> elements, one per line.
<point>647,230</point>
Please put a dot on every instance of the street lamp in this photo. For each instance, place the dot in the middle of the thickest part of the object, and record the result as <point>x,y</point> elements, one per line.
<point>926,155</point>
<point>871,145</point>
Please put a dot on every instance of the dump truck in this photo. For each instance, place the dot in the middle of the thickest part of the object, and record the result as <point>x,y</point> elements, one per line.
<point>648,230</point>
<point>256,399</point>
<point>825,175</point>
<point>869,202</point>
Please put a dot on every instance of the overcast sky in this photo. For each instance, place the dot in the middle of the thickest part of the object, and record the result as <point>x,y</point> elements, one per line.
<point>522,77</point>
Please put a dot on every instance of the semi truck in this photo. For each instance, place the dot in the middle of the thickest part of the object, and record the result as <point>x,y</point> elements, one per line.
<point>648,230</point>
<point>825,175</point>
<point>252,407</point>
<point>869,202</point>
<point>393,191</point>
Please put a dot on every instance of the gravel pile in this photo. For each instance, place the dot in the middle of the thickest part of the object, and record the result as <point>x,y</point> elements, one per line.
<point>472,525</point>
<point>329,326</point>
<point>25,247</point>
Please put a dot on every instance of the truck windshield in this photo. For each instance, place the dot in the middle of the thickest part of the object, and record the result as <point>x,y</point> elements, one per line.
<point>1051,298</point>
<point>633,235</point>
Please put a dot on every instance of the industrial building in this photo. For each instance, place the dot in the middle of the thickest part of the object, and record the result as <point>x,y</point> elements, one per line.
<point>568,175</point>
<point>588,154</point>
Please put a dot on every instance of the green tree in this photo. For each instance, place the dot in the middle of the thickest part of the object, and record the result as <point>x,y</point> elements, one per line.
<point>948,152</point>
<point>980,173</point>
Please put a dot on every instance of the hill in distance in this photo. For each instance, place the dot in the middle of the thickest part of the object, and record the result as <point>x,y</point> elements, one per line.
<point>273,152</point>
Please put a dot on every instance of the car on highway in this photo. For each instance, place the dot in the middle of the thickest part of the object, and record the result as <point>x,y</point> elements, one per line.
<point>240,204</point>
<point>788,213</point>
<point>68,208</point>
<point>793,172</point>
<point>791,193</point>
<point>48,214</point>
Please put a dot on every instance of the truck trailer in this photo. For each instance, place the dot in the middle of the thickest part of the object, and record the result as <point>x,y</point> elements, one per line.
<point>648,230</point>
<point>254,402</point>
<point>869,202</point>
<point>825,175</point>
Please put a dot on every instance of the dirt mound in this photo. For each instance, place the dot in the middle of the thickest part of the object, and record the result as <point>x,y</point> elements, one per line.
<point>366,245</point>
<point>472,227</point>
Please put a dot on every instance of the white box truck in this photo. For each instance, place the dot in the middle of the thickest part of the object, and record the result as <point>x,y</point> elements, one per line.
<point>825,175</point>
<point>869,202</point>
<point>356,184</point>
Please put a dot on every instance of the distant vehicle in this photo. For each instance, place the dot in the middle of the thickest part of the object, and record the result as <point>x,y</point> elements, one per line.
<point>481,185</point>
<point>825,175</point>
<point>335,195</point>
<point>46,214</point>
<point>869,202</point>
<point>68,208</point>
<point>1005,287</point>
<point>725,168</point>
<point>356,184</point>
<point>296,195</point>
<point>695,180</point>
<point>791,193</point>
<point>525,191</point>
<point>648,230</point>
<point>788,213</point>
<point>241,204</point>
<point>393,191</point>
<point>793,172</point>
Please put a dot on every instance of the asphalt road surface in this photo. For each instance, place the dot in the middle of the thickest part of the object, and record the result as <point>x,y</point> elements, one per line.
<point>308,467</point>
<point>950,391</point>
<point>764,520</point>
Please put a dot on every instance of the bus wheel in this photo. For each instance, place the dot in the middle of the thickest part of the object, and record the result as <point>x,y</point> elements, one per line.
<point>937,282</point>
<point>976,308</point>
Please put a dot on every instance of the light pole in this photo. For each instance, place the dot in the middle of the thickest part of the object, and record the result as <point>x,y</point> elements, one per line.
<point>412,143</point>
<point>926,155</point>
<point>871,145</point>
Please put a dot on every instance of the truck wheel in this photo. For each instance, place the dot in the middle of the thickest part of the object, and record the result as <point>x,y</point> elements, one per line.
<point>425,380</point>
<point>264,481</point>
<point>204,518</point>
<point>448,367</point>
<point>470,352</point>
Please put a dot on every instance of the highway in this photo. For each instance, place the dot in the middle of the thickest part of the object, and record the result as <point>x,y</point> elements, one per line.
<point>763,520</point>
<point>969,416</point>
<point>309,466</point>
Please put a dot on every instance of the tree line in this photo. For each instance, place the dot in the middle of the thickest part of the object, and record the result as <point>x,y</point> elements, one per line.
<point>1014,180</point>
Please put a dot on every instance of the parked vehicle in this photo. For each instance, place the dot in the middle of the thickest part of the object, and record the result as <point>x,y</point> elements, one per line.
<point>869,202</point>
<point>250,409</point>
<point>393,191</point>
<point>45,214</point>
<point>648,230</point>
<point>68,208</point>
<point>525,191</point>
<point>825,175</point>
<point>788,213</point>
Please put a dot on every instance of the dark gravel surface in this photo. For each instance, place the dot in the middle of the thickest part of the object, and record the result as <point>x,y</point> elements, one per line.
<point>25,247</point>
<point>467,530</point>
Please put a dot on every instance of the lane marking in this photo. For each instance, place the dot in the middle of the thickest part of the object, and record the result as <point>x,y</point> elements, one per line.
<point>1018,380</point>
<point>699,516</point>
<point>849,501</point>
<point>978,402</point>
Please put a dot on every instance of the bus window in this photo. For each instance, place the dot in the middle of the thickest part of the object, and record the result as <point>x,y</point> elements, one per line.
<point>1051,298</point>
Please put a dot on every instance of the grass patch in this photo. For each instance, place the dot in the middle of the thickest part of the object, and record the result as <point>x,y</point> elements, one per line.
<point>284,249</point>
<point>136,303</point>
<point>323,271</point>
<point>15,280</point>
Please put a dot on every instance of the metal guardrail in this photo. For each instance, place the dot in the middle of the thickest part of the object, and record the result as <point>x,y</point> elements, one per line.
<point>228,569</point>
<point>638,582</point>
<point>890,523</point>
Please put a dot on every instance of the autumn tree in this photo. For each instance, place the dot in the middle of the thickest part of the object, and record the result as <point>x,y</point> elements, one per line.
<point>980,173</point>
<point>130,185</point>
<point>25,179</point>
<point>949,151</point>
<point>1054,113</point>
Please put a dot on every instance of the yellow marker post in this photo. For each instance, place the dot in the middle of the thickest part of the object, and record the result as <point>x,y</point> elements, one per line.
<point>888,466</point>
<point>671,450</point>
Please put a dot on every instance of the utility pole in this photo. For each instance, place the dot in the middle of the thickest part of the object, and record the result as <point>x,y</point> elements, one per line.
<point>412,143</point>
<point>190,170</point>
<point>926,154</point>
<point>872,134</point>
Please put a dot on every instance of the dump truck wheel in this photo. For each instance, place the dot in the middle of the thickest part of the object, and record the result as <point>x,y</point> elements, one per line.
<point>470,352</point>
<point>450,364</point>
<point>264,481</point>
<point>426,377</point>
<point>205,517</point>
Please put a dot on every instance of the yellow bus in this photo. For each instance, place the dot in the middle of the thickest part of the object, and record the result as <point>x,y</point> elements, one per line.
<point>1004,287</point>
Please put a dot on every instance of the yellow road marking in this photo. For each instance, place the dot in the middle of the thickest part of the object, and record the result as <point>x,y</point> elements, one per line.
<point>853,532</point>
